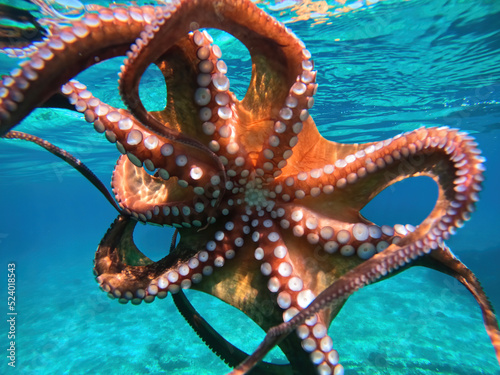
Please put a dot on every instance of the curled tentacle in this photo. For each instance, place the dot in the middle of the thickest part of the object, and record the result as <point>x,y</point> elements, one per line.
<point>126,273</point>
<point>115,253</point>
<point>270,44</point>
<point>197,87</point>
<point>145,148</point>
<point>375,166</point>
<point>69,51</point>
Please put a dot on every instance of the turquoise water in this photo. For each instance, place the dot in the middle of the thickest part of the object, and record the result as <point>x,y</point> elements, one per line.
<point>382,70</point>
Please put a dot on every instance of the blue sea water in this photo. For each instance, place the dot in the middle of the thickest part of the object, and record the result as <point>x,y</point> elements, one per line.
<point>383,69</point>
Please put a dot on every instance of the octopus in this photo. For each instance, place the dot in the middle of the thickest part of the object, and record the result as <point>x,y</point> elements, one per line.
<point>266,209</point>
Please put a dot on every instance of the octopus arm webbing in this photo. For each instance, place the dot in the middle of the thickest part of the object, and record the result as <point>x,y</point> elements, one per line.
<point>68,158</point>
<point>226,351</point>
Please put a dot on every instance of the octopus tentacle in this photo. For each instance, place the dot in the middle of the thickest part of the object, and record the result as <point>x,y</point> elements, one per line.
<point>143,147</point>
<point>171,25</point>
<point>68,158</point>
<point>223,127</point>
<point>367,273</point>
<point>293,295</point>
<point>60,57</point>
<point>180,66</point>
<point>362,275</point>
<point>127,274</point>
<point>272,45</point>
<point>378,165</point>
<point>362,237</point>
<point>115,253</point>
<point>15,105</point>
<point>197,87</point>
<point>280,143</point>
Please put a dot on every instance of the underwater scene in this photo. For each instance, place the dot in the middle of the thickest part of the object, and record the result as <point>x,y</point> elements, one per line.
<point>384,69</point>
